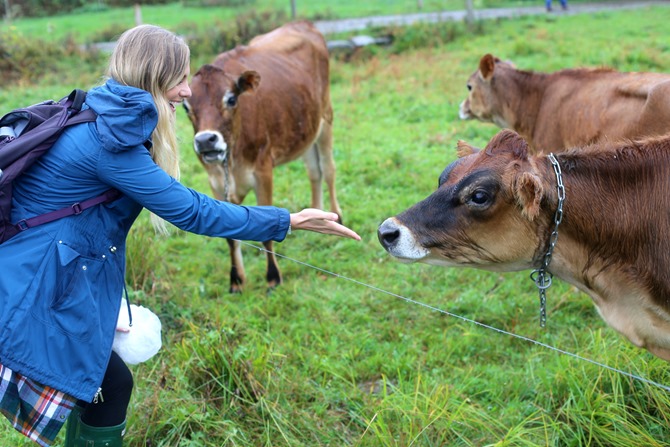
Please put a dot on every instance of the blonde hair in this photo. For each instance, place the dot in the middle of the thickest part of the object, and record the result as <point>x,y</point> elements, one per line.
<point>154,59</point>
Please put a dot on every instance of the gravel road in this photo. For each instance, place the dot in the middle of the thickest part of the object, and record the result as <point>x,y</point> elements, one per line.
<point>336,26</point>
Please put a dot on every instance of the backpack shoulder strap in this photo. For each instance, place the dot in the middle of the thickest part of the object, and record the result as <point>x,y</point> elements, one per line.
<point>82,117</point>
<point>77,208</point>
<point>77,98</point>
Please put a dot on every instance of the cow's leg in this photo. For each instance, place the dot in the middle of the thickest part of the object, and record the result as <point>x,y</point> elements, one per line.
<point>263,174</point>
<point>238,190</point>
<point>324,148</point>
<point>220,186</point>
<point>237,275</point>
<point>311,159</point>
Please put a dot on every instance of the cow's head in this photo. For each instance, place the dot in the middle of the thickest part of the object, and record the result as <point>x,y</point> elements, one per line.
<point>486,212</point>
<point>212,109</point>
<point>486,92</point>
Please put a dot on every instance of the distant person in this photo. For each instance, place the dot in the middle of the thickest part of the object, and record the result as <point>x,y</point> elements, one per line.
<point>564,5</point>
<point>61,283</point>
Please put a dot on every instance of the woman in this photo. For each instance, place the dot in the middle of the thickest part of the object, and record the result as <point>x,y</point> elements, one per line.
<point>62,282</point>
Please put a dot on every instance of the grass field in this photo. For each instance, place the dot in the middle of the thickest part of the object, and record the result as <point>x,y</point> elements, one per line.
<point>87,25</point>
<point>355,349</point>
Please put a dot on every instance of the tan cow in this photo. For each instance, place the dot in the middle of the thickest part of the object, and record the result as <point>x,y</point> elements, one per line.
<point>496,209</point>
<point>567,108</point>
<point>259,106</point>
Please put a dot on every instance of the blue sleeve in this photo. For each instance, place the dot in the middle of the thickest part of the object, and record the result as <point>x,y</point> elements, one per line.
<point>134,173</point>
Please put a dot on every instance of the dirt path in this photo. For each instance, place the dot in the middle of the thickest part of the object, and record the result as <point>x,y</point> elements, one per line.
<point>336,26</point>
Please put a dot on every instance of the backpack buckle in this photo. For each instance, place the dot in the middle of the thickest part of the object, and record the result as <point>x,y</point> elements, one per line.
<point>22,225</point>
<point>76,208</point>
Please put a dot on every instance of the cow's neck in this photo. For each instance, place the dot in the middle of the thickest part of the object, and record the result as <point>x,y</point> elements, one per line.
<point>524,94</point>
<point>612,241</point>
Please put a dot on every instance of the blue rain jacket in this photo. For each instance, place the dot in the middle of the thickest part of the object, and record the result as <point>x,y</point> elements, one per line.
<point>61,283</point>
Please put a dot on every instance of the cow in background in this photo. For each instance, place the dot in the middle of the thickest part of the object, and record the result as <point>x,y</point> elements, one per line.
<point>259,106</point>
<point>496,210</point>
<point>574,107</point>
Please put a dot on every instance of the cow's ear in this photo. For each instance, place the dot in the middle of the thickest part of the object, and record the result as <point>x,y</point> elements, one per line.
<point>464,149</point>
<point>529,191</point>
<point>486,66</point>
<point>248,81</point>
<point>508,141</point>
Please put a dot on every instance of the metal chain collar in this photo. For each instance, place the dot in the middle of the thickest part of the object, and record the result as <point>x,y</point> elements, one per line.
<point>542,276</point>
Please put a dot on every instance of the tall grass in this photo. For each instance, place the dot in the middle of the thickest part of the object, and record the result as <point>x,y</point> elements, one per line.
<point>343,353</point>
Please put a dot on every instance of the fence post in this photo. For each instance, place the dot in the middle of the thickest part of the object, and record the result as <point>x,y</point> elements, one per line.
<point>293,9</point>
<point>470,12</point>
<point>138,14</point>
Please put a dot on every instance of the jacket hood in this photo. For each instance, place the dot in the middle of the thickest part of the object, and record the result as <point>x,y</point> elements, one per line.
<point>126,115</point>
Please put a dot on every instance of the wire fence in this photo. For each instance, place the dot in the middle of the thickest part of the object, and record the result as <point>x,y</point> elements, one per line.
<point>468,320</point>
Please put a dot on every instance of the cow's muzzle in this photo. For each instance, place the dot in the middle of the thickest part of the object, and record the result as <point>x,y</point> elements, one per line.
<point>399,241</point>
<point>211,146</point>
<point>464,112</point>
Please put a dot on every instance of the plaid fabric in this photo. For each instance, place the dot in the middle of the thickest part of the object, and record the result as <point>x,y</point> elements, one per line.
<point>35,410</point>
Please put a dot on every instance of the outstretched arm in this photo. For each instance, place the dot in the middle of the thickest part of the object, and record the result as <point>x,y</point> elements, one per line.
<point>312,219</point>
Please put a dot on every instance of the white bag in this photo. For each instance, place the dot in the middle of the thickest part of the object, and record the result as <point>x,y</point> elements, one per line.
<point>143,339</point>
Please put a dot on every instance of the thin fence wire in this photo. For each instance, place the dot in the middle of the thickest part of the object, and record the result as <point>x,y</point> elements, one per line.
<point>460,317</point>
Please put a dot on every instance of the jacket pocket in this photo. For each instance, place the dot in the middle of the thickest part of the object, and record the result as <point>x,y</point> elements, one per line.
<point>68,301</point>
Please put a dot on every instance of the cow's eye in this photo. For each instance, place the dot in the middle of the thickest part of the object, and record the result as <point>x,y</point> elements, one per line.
<point>480,197</point>
<point>469,87</point>
<point>231,101</point>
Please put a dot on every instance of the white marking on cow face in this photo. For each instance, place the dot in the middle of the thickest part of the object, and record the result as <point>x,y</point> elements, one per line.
<point>399,241</point>
<point>229,99</point>
<point>464,111</point>
<point>210,146</point>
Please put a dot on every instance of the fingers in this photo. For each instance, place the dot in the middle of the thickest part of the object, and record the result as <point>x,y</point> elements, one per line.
<point>319,221</point>
<point>337,229</point>
<point>313,213</point>
<point>347,232</point>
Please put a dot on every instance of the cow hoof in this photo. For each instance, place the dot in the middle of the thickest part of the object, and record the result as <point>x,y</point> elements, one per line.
<point>272,285</point>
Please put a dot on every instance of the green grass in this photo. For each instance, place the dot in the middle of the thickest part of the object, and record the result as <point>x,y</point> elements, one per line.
<point>92,25</point>
<point>354,359</point>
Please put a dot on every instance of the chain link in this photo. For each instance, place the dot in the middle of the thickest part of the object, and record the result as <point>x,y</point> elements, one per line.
<point>542,277</point>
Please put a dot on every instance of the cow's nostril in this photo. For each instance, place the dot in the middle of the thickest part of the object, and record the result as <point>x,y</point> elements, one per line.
<point>388,234</point>
<point>207,139</point>
<point>389,237</point>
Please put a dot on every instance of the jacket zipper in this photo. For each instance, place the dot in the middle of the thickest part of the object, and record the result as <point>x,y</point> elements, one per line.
<point>98,395</point>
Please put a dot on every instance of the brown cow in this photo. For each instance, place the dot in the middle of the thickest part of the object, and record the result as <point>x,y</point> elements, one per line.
<point>496,209</point>
<point>259,106</point>
<point>568,108</point>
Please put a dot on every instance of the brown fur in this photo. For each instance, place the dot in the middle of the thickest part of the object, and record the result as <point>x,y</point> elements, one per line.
<point>568,108</point>
<point>282,111</point>
<point>612,240</point>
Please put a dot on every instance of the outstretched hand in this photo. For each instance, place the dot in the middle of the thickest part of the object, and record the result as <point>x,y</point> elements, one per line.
<point>312,219</point>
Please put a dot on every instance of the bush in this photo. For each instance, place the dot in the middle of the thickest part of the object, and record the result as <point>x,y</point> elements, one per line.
<point>422,35</point>
<point>30,60</point>
<point>223,37</point>
<point>27,59</point>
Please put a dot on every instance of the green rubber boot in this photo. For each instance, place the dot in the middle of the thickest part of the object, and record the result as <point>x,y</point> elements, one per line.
<point>79,434</point>
<point>71,426</point>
